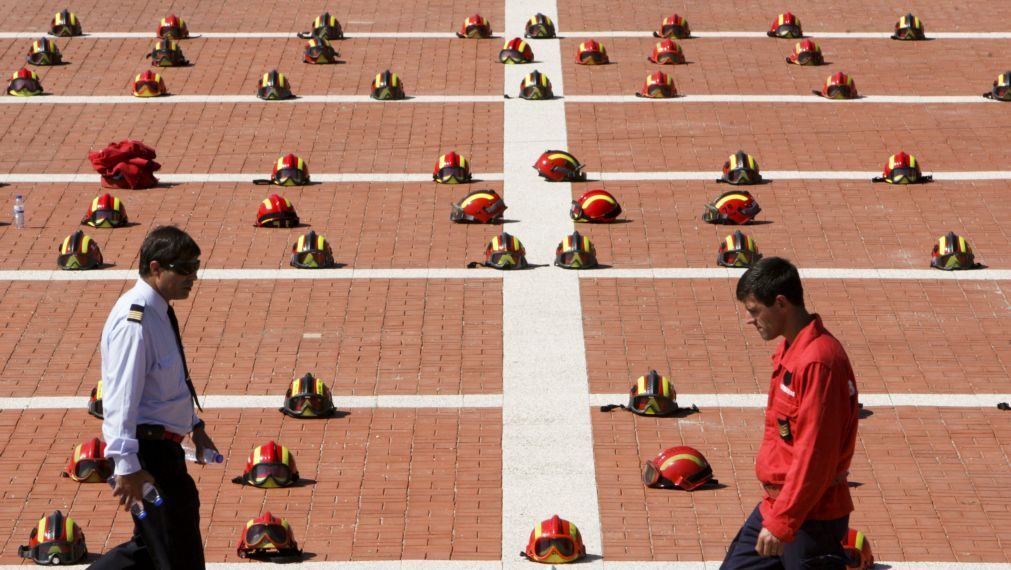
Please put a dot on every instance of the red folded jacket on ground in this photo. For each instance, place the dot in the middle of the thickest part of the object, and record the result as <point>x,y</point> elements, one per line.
<point>126,164</point>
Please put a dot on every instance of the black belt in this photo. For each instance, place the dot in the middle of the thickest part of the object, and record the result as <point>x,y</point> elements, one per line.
<point>151,432</point>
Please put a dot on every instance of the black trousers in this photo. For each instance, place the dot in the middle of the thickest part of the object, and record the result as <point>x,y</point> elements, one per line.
<point>169,537</point>
<point>817,546</point>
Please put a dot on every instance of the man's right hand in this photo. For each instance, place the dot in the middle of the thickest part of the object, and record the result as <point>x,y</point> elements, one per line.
<point>130,488</point>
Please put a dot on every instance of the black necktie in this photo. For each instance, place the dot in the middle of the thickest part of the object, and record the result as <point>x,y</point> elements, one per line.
<point>179,342</point>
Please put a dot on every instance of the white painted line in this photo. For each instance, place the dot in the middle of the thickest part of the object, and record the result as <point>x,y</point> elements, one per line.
<point>257,274</point>
<point>351,35</point>
<point>268,402</point>
<point>394,177</point>
<point>547,439</point>
<point>545,256</point>
<point>809,273</point>
<point>471,99</point>
<point>773,175</point>
<point>810,34</point>
<point>811,98</point>
<point>216,99</point>
<point>704,401</point>
<point>181,178</point>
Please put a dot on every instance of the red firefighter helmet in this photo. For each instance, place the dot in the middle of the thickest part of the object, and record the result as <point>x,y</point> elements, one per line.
<point>909,28</point>
<point>667,52</point>
<point>324,26</point>
<point>387,86</point>
<point>741,169</point>
<point>78,251</point>
<point>24,83</point>
<point>674,26</point>
<point>290,170</point>
<point>65,24</point>
<point>536,86</point>
<point>173,27</point>
<point>576,251</point>
<point>839,86</point>
<point>276,211</point>
<point>738,250</point>
<point>680,466</point>
<point>88,464</point>
<point>786,25</point>
<point>555,541</point>
<point>476,26</point>
<point>44,52</point>
<point>95,401</point>
<point>274,86</point>
<point>732,207</point>
<point>269,466</point>
<point>267,534</point>
<point>149,84</point>
<point>312,251</point>
<point>806,52</point>
<point>55,540</point>
<point>308,397</point>
<point>106,211</point>
<point>658,85</point>
<point>652,395</point>
<point>167,53</point>
<point>516,51</point>
<point>591,52</point>
<point>595,206</point>
<point>1001,90</point>
<point>952,252</point>
<point>902,168</point>
<point>540,27</point>
<point>559,166</point>
<point>318,50</point>
<point>857,551</point>
<point>479,206</point>
<point>505,251</point>
<point>451,168</point>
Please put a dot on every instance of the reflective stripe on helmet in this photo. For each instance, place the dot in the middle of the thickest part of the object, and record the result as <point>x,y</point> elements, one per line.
<point>688,456</point>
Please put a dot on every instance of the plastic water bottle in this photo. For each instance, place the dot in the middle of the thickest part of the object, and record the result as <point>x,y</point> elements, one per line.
<point>210,455</point>
<point>151,495</point>
<point>19,211</point>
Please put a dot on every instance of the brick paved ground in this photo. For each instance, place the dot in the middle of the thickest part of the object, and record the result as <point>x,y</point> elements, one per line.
<point>427,483</point>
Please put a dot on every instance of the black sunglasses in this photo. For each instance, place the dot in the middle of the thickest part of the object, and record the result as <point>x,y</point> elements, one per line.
<point>184,267</point>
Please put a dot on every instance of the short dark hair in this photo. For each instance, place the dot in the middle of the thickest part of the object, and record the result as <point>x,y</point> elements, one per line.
<point>769,278</point>
<point>166,244</point>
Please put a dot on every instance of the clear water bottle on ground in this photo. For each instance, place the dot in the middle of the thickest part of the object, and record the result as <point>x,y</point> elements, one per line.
<point>210,455</point>
<point>19,211</point>
<point>151,495</point>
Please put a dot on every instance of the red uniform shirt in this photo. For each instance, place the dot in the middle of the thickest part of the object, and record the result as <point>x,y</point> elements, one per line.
<point>810,432</point>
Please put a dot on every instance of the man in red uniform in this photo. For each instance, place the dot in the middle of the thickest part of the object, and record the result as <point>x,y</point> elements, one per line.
<point>810,432</point>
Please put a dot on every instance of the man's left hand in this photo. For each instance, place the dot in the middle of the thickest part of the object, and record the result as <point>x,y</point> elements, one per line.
<point>768,545</point>
<point>202,441</point>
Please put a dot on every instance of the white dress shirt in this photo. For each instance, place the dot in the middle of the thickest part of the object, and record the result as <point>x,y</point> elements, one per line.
<point>143,381</point>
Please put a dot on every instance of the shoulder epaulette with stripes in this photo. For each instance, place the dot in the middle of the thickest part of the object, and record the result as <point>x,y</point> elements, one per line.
<point>136,313</point>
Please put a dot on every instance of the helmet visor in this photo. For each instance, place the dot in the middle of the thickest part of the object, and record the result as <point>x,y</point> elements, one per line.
<point>738,258</point>
<point>264,535</point>
<point>505,259</point>
<point>670,58</point>
<point>511,56</point>
<point>808,58</point>
<point>271,475</point>
<point>92,470</point>
<point>25,86</point>
<point>561,545</point>
<point>592,58</point>
<point>954,261</point>
<point>659,91</point>
<point>44,552</point>
<point>577,259</point>
<point>1002,92</point>
<point>311,259</point>
<point>76,261</point>
<point>539,31</point>
<point>788,31</point>
<point>651,474</point>
<point>42,58</point>
<point>534,92</point>
<point>904,175</point>
<point>106,219</point>
<point>147,88</point>
<point>273,93</point>
<point>290,177</point>
<point>652,405</point>
<point>453,175</point>
<point>741,176</point>
<point>839,92</point>
<point>309,405</point>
